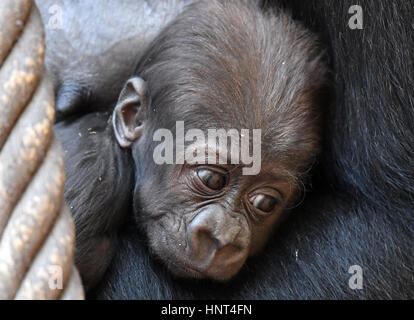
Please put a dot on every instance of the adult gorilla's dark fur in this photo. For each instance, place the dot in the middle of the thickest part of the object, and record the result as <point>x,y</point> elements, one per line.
<point>361,209</point>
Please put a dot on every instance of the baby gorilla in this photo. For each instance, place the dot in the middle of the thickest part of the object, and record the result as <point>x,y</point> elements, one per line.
<point>221,65</point>
<point>218,65</point>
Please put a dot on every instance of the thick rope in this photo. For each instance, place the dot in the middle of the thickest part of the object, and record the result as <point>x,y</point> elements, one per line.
<point>36,228</point>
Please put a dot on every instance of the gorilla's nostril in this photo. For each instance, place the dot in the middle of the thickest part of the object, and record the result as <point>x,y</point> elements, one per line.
<point>203,244</point>
<point>229,255</point>
<point>219,254</point>
<point>218,243</point>
<point>227,237</point>
<point>219,257</point>
<point>226,262</point>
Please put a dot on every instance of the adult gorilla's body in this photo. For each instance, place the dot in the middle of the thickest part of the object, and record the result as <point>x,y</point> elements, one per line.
<point>360,211</point>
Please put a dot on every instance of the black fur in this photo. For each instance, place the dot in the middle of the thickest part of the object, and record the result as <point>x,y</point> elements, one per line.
<point>100,178</point>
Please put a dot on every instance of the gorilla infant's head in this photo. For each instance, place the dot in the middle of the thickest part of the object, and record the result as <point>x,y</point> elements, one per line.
<point>220,65</point>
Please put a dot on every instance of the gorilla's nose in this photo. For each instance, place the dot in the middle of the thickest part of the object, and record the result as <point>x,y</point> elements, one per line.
<point>219,243</point>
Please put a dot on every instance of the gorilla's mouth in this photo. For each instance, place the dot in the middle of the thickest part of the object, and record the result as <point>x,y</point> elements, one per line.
<point>180,259</point>
<point>183,269</point>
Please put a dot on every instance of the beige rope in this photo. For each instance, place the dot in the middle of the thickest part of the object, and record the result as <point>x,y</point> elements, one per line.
<point>36,228</point>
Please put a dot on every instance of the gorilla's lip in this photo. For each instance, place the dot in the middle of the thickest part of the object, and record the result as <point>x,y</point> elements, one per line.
<point>187,270</point>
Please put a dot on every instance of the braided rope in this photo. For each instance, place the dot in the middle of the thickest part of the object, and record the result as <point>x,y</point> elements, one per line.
<point>36,228</point>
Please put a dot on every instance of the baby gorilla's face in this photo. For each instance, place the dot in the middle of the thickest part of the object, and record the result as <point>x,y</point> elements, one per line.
<point>203,221</point>
<point>208,220</point>
<point>221,65</point>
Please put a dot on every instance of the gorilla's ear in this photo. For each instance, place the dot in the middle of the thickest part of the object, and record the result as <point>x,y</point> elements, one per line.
<point>131,111</point>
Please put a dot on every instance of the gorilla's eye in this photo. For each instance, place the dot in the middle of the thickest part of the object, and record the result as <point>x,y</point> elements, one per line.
<point>265,201</point>
<point>212,179</point>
